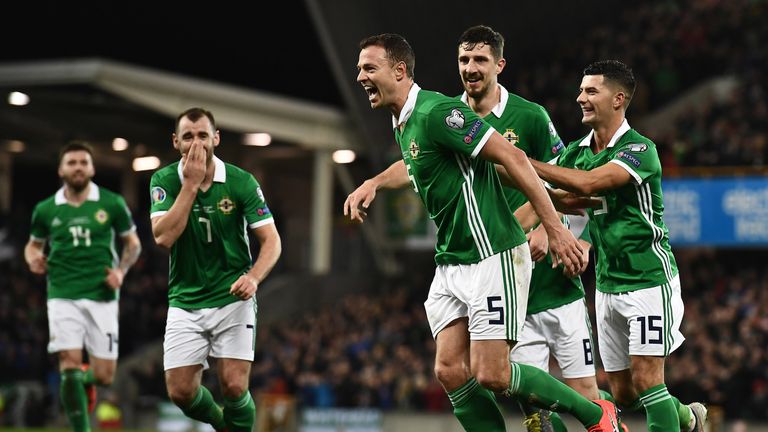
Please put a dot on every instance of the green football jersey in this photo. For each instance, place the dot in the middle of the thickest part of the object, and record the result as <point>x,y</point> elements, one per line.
<point>81,241</point>
<point>213,251</point>
<point>439,141</point>
<point>628,232</point>
<point>528,126</point>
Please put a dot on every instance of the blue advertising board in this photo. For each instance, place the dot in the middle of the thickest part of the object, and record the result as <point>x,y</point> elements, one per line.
<point>717,211</point>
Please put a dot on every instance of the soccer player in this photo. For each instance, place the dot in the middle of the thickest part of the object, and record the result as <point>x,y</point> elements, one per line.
<point>557,320</point>
<point>476,305</point>
<point>201,210</point>
<point>638,301</point>
<point>84,276</point>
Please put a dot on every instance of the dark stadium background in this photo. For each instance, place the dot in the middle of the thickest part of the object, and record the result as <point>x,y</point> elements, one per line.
<point>357,335</point>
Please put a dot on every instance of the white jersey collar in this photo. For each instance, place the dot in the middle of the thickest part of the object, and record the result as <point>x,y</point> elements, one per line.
<point>498,110</point>
<point>619,133</point>
<point>408,107</point>
<point>93,194</point>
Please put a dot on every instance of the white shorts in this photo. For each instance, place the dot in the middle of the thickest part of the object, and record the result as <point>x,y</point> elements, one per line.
<point>191,335</point>
<point>564,332</point>
<point>492,293</point>
<point>74,324</point>
<point>645,322</point>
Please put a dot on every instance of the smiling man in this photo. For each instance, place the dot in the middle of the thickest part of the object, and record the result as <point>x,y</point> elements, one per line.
<point>477,301</point>
<point>638,302</point>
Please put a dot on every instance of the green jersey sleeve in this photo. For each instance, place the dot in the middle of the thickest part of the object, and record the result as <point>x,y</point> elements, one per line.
<point>123,221</point>
<point>546,133</point>
<point>39,226</point>
<point>639,159</point>
<point>255,208</point>
<point>456,127</point>
<point>162,194</point>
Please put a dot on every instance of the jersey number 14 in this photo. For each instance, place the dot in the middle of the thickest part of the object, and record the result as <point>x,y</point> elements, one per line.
<point>80,234</point>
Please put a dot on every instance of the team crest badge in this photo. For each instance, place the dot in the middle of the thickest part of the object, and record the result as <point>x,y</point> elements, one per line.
<point>511,136</point>
<point>101,216</point>
<point>158,195</point>
<point>226,205</point>
<point>414,149</point>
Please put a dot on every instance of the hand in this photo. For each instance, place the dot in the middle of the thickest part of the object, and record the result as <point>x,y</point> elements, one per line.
<point>194,164</point>
<point>359,200</point>
<point>565,250</point>
<point>538,243</point>
<point>584,256</point>
<point>114,277</point>
<point>571,203</point>
<point>244,287</point>
<point>39,265</point>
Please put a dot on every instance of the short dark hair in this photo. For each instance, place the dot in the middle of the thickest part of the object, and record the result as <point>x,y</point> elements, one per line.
<point>482,34</point>
<point>615,72</point>
<point>195,114</point>
<point>398,50</point>
<point>75,146</point>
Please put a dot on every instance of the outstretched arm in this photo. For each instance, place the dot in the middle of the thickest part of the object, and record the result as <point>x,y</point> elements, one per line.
<point>605,177</point>
<point>563,246</point>
<point>394,177</point>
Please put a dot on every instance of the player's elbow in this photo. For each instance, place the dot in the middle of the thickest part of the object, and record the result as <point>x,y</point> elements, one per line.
<point>163,240</point>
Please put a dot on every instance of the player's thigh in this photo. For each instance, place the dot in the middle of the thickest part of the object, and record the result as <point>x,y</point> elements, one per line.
<point>452,364</point>
<point>186,340</point>
<point>496,290</point>
<point>182,382</point>
<point>654,316</point>
<point>569,334</point>
<point>102,331</point>
<point>66,325</point>
<point>234,376</point>
<point>612,333</point>
<point>234,330</point>
<point>489,360</point>
<point>442,306</point>
<point>531,348</point>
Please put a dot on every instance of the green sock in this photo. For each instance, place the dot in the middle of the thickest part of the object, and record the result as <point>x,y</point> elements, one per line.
<point>204,409</point>
<point>606,396</point>
<point>660,409</point>
<point>476,408</point>
<point>683,413</point>
<point>88,377</point>
<point>74,400</point>
<point>536,387</point>
<point>557,422</point>
<point>240,413</point>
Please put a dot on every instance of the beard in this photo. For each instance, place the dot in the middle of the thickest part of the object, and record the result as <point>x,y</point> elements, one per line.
<point>77,183</point>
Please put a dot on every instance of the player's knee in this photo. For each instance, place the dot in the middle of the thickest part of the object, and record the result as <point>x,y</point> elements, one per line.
<point>104,379</point>
<point>233,390</point>
<point>451,376</point>
<point>182,396</point>
<point>492,380</point>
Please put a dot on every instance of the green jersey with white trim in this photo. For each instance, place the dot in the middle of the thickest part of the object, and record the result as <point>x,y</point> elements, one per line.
<point>628,232</point>
<point>82,242</point>
<point>440,140</point>
<point>213,251</point>
<point>528,126</point>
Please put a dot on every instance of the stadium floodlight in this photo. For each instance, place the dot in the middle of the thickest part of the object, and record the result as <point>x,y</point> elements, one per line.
<point>18,98</point>
<point>257,139</point>
<point>344,156</point>
<point>119,144</point>
<point>146,163</point>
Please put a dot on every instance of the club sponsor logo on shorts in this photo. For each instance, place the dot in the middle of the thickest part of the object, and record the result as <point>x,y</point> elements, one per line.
<point>511,136</point>
<point>158,195</point>
<point>413,148</point>
<point>455,120</point>
<point>226,205</point>
<point>101,216</point>
<point>470,136</point>
<point>637,147</point>
<point>629,157</point>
